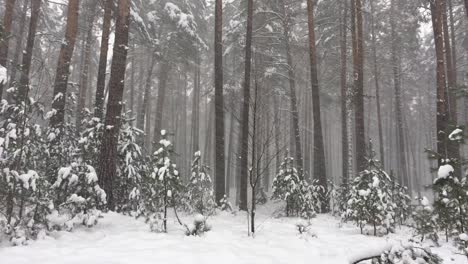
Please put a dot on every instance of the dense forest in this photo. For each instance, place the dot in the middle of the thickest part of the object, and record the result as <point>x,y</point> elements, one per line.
<point>254,112</point>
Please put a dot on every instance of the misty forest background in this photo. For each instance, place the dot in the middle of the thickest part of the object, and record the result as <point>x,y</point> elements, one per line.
<point>330,83</point>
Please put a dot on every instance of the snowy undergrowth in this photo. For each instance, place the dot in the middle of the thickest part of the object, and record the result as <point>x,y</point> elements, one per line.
<point>122,239</point>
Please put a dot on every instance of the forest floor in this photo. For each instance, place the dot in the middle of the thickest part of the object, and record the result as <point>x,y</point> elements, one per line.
<point>119,239</point>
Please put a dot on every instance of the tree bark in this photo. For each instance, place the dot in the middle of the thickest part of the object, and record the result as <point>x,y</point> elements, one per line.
<point>108,168</point>
<point>101,78</point>
<point>27,56</point>
<point>453,147</point>
<point>63,65</point>
<point>442,117</point>
<point>219,102</point>
<point>319,152</point>
<point>358,67</point>
<point>244,140</point>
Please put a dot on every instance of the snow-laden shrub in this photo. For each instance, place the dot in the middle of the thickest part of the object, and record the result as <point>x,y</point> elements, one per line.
<point>199,226</point>
<point>200,196</point>
<point>162,187</point>
<point>425,221</point>
<point>77,197</point>
<point>462,243</point>
<point>409,252</point>
<point>302,199</point>
<point>131,168</point>
<point>89,143</point>
<point>287,186</point>
<point>451,202</point>
<point>370,199</point>
<point>225,205</point>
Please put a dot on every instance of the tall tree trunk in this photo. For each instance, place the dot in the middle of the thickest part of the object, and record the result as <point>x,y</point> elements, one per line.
<point>132,82</point>
<point>344,94</point>
<point>108,168</point>
<point>63,65</point>
<point>143,108</point>
<point>437,8</point>
<point>28,52</point>
<point>163,78</point>
<point>292,91</point>
<point>319,152</point>
<point>19,42</point>
<point>453,146</point>
<point>196,105</point>
<point>7,21</point>
<point>102,68</point>
<point>396,66</point>
<point>377,86</point>
<point>219,102</point>
<point>358,67</point>
<point>84,78</point>
<point>244,135</point>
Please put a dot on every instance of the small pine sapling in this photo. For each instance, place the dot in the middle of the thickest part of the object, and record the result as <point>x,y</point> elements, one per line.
<point>200,188</point>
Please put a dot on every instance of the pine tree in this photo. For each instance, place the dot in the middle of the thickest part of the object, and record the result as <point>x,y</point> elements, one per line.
<point>370,198</point>
<point>200,188</point>
<point>162,187</point>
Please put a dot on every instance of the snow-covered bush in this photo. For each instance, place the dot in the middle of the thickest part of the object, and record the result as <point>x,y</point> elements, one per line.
<point>425,221</point>
<point>131,168</point>
<point>200,188</point>
<point>199,226</point>
<point>287,186</point>
<point>409,252</point>
<point>90,139</point>
<point>402,202</point>
<point>162,187</point>
<point>451,202</point>
<point>302,199</point>
<point>77,196</point>
<point>462,243</point>
<point>370,199</point>
<point>23,189</point>
<point>225,205</point>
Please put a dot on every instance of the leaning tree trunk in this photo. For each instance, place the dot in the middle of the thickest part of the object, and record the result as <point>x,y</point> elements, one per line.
<point>7,21</point>
<point>319,152</point>
<point>219,103</point>
<point>102,68</point>
<point>63,65</point>
<point>19,42</point>
<point>244,139</point>
<point>27,56</point>
<point>442,118</point>
<point>108,168</point>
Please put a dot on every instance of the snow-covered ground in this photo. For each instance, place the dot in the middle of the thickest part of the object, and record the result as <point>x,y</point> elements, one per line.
<point>119,239</point>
